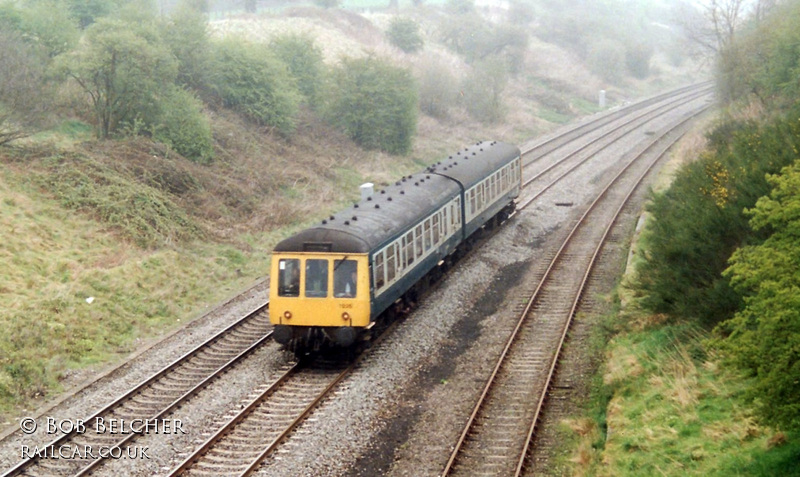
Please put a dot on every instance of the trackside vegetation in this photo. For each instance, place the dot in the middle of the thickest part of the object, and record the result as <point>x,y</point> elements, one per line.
<point>150,156</point>
<point>702,375</point>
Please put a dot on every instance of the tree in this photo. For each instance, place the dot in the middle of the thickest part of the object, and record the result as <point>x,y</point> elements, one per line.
<point>712,24</point>
<point>23,94</point>
<point>88,11</point>
<point>374,102</point>
<point>482,91</point>
<point>182,125</point>
<point>250,79</point>
<point>438,87</point>
<point>404,34</point>
<point>305,62</point>
<point>764,337</point>
<point>47,23</point>
<point>123,71</point>
<point>186,35</point>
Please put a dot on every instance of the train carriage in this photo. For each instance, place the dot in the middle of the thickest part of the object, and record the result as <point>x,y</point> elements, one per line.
<point>332,281</point>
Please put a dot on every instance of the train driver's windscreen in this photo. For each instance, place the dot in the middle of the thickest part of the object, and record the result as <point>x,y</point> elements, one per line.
<point>316,278</point>
<point>345,273</point>
<point>289,277</point>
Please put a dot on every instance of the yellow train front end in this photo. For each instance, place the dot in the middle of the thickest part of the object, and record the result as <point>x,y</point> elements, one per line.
<point>318,297</point>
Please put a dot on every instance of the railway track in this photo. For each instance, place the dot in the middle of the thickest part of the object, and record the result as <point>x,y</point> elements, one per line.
<point>154,398</point>
<point>227,450</point>
<point>564,164</point>
<point>499,433</point>
<point>533,151</point>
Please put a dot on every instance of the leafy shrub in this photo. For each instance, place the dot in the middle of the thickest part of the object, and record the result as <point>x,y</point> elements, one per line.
<point>437,88</point>
<point>472,37</point>
<point>700,220</point>
<point>374,102</point>
<point>327,3</point>
<point>142,213</point>
<point>404,34</point>
<point>88,11</point>
<point>23,91</point>
<point>185,33</point>
<point>483,91</point>
<point>607,59</point>
<point>49,25</point>
<point>305,61</point>
<point>183,126</point>
<point>250,79</point>
<point>764,337</point>
<point>122,67</point>
<point>637,59</point>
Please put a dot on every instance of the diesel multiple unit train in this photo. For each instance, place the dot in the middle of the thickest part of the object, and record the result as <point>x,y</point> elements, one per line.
<point>330,283</point>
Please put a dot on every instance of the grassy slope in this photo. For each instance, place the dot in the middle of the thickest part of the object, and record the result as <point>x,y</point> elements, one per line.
<point>155,239</point>
<point>662,406</point>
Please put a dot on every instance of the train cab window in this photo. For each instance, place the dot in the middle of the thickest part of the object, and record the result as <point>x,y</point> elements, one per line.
<point>345,278</point>
<point>289,277</point>
<point>316,278</point>
<point>379,269</point>
<point>435,224</point>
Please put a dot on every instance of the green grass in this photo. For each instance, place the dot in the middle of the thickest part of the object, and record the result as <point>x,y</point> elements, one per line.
<point>661,406</point>
<point>53,259</point>
<point>554,116</point>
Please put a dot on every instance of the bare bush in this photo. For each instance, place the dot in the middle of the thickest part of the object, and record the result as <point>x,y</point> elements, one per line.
<point>23,99</point>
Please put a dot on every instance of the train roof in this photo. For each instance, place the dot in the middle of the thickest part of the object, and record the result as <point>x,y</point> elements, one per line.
<point>474,163</point>
<point>374,221</point>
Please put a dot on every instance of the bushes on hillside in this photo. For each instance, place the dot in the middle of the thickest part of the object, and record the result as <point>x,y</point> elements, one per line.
<point>438,88</point>
<point>185,34</point>
<point>22,87</point>
<point>183,126</point>
<point>305,62</point>
<point>404,34</point>
<point>764,63</point>
<point>764,337</point>
<point>374,102</point>
<point>122,68</point>
<point>483,91</point>
<point>251,80</point>
<point>700,220</point>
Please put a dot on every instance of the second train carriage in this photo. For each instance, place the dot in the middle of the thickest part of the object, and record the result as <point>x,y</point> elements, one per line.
<point>332,281</point>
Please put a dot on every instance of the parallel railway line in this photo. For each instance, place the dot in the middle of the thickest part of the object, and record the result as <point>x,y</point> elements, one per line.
<point>158,395</point>
<point>226,451</point>
<point>499,433</point>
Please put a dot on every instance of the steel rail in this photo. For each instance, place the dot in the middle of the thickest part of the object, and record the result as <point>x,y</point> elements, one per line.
<point>23,465</point>
<point>512,339</point>
<point>601,242</point>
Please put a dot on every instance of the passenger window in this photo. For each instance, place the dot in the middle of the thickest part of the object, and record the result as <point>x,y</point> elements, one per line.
<point>345,278</point>
<point>379,280</point>
<point>289,277</point>
<point>316,278</point>
<point>435,228</point>
<point>472,207</point>
<point>419,239</point>
<point>390,262</point>
<point>409,249</point>
<point>428,234</point>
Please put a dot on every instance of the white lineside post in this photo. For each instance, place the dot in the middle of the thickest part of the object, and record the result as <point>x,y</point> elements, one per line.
<point>367,190</point>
